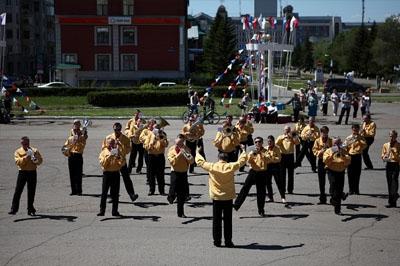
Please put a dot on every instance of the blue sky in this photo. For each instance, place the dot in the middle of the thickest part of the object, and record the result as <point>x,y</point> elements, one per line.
<point>349,10</point>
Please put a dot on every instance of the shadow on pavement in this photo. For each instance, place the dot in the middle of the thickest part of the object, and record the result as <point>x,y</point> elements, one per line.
<point>124,217</point>
<point>381,196</point>
<point>199,204</point>
<point>355,207</point>
<point>305,194</point>
<point>377,217</point>
<point>288,216</point>
<point>267,247</point>
<point>290,204</point>
<point>91,195</point>
<point>50,217</point>
<point>145,205</point>
<point>196,219</point>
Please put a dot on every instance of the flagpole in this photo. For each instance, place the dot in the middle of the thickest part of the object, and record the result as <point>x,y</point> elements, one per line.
<point>3,48</point>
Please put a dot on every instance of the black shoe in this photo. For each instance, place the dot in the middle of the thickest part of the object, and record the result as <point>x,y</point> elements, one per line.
<point>344,196</point>
<point>32,212</point>
<point>188,198</point>
<point>101,213</point>
<point>391,205</point>
<point>12,212</point>
<point>337,210</point>
<point>133,197</point>
<point>314,170</point>
<point>72,193</point>
<point>236,207</point>
<point>138,171</point>
<point>321,202</point>
<point>110,201</point>
<point>261,213</point>
<point>290,192</point>
<point>337,123</point>
<point>151,193</point>
<point>217,244</point>
<point>369,168</point>
<point>116,214</point>
<point>163,194</point>
<point>351,193</point>
<point>182,216</point>
<point>229,244</point>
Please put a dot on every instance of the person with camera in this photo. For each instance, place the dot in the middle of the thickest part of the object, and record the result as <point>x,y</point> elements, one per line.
<point>226,141</point>
<point>257,159</point>
<point>180,158</point>
<point>111,159</point>
<point>155,145</point>
<point>222,192</point>
<point>321,144</point>
<point>27,159</point>
<point>73,148</point>
<point>287,143</point>
<point>124,144</point>
<point>336,160</point>
<point>391,156</point>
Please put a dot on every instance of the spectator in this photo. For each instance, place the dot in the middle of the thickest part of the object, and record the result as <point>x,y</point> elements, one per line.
<point>335,101</point>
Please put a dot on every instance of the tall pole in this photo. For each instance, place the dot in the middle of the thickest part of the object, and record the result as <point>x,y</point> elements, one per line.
<point>363,12</point>
<point>270,66</point>
<point>3,49</point>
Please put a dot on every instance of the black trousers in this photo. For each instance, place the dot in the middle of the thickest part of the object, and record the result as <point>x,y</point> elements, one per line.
<point>254,177</point>
<point>354,173</point>
<point>232,156</point>
<point>344,110</point>
<point>200,144</point>
<point>287,163</point>
<point>239,151</point>
<point>337,182</point>
<point>365,155</point>
<point>392,178</point>
<point>136,149</point>
<point>178,189</point>
<point>156,171</point>
<point>110,181</point>
<point>192,147</point>
<point>325,109</point>
<point>355,111</point>
<point>146,161</point>
<point>222,209</point>
<point>127,180</point>
<point>296,114</point>
<point>322,180</point>
<point>29,178</point>
<point>75,166</point>
<point>306,150</point>
<point>273,170</point>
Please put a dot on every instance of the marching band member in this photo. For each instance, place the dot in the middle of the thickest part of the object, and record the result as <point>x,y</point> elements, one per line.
<point>368,131</point>
<point>336,159</point>
<point>222,192</point>
<point>257,159</point>
<point>123,143</point>
<point>112,158</point>
<point>192,131</point>
<point>142,138</point>
<point>320,146</point>
<point>226,141</point>
<point>155,145</point>
<point>273,155</point>
<point>298,128</point>
<point>133,133</point>
<point>229,120</point>
<point>245,129</point>
<point>132,121</point>
<point>180,158</point>
<point>391,155</point>
<point>73,149</point>
<point>355,144</point>
<point>27,160</point>
<point>286,144</point>
<point>309,134</point>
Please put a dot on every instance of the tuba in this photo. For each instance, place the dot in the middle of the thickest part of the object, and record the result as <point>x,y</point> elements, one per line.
<point>163,123</point>
<point>228,131</point>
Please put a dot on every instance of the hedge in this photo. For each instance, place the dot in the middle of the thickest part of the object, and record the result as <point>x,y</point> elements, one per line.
<point>218,91</point>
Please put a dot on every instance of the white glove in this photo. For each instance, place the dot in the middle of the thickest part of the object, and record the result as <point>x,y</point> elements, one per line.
<point>29,152</point>
<point>76,137</point>
<point>335,148</point>
<point>114,152</point>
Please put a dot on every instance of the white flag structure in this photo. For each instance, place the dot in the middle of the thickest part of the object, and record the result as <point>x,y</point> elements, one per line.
<point>3,19</point>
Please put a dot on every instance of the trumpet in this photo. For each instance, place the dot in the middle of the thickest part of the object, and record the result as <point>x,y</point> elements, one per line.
<point>31,153</point>
<point>187,154</point>
<point>387,156</point>
<point>349,141</point>
<point>86,123</point>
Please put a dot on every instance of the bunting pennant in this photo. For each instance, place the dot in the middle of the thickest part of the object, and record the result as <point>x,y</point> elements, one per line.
<point>15,100</point>
<point>260,20</point>
<point>294,23</point>
<point>25,111</point>
<point>19,90</point>
<point>3,91</point>
<point>3,19</point>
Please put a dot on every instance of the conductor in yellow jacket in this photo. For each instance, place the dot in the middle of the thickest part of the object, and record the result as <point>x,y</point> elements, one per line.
<point>27,159</point>
<point>336,160</point>
<point>111,160</point>
<point>222,192</point>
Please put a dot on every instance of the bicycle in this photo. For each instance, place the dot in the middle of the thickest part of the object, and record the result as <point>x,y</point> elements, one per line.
<point>188,113</point>
<point>211,117</point>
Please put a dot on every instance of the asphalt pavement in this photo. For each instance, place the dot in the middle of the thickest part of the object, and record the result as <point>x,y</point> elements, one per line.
<point>66,230</point>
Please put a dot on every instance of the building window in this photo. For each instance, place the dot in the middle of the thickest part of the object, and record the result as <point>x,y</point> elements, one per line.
<point>9,34</point>
<point>128,62</point>
<point>128,35</point>
<point>103,62</point>
<point>26,35</point>
<point>8,18</point>
<point>70,58</point>
<point>102,7</point>
<point>36,6</point>
<point>8,2</point>
<point>103,36</point>
<point>128,8</point>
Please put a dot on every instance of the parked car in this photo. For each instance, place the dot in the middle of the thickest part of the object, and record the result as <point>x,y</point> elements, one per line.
<point>54,85</point>
<point>342,84</point>
<point>167,84</point>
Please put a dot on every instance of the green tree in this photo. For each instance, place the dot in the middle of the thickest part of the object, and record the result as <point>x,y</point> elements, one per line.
<point>307,55</point>
<point>219,45</point>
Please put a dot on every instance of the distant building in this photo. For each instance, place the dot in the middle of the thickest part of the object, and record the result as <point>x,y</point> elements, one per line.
<point>30,38</point>
<point>121,40</point>
<point>353,25</point>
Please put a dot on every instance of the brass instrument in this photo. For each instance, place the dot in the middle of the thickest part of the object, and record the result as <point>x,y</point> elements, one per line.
<point>31,153</point>
<point>86,123</point>
<point>163,123</point>
<point>66,149</point>
<point>186,154</point>
<point>228,131</point>
<point>387,156</point>
<point>349,141</point>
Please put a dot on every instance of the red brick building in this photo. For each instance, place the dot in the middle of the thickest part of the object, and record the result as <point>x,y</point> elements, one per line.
<point>121,39</point>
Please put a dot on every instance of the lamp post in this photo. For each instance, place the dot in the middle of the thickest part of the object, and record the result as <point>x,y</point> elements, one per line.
<point>330,65</point>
